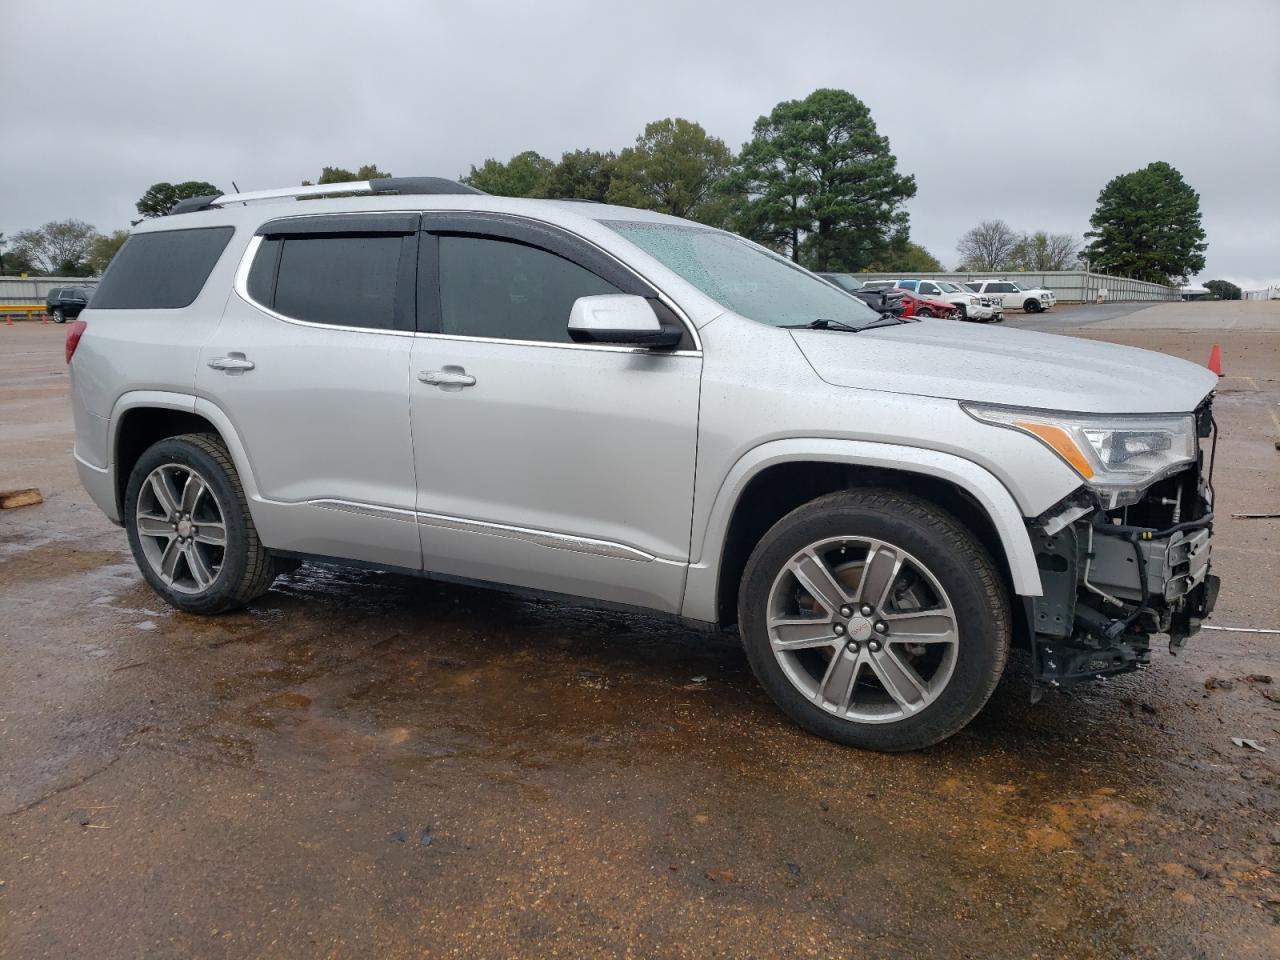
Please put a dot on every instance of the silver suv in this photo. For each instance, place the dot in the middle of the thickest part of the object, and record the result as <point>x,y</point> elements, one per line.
<point>624,407</point>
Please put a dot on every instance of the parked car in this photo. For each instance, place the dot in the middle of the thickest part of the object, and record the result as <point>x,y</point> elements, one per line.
<point>880,300</point>
<point>637,410</point>
<point>970,305</point>
<point>65,303</point>
<point>1014,296</point>
<point>917,305</point>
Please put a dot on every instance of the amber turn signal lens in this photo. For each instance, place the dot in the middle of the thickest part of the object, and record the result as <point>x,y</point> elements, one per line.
<point>1060,441</point>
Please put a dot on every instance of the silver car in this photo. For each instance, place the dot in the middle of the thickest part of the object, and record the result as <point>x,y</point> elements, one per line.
<point>627,408</point>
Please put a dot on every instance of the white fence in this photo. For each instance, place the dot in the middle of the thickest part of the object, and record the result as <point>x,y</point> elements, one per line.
<point>1070,286</point>
<point>33,290</point>
<point>1266,293</point>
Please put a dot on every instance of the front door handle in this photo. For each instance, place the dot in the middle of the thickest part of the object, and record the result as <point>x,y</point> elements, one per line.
<point>450,378</point>
<point>234,363</point>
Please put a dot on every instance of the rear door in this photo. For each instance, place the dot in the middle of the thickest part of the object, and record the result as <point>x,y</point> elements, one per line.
<point>544,463</point>
<point>311,365</point>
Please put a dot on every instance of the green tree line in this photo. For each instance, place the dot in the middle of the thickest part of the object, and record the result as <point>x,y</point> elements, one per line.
<point>816,181</point>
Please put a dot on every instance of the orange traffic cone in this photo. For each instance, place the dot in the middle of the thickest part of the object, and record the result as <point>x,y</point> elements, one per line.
<point>1215,359</point>
<point>8,319</point>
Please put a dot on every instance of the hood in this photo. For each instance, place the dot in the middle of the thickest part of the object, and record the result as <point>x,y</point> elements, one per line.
<point>943,358</point>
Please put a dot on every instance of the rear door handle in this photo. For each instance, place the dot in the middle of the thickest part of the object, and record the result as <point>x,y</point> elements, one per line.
<point>450,378</point>
<point>233,363</point>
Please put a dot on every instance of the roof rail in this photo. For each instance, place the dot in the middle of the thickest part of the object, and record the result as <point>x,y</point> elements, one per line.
<point>399,185</point>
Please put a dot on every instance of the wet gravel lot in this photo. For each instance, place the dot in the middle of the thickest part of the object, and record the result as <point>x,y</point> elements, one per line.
<point>371,765</point>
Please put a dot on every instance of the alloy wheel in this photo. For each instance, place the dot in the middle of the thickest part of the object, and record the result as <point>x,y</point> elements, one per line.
<point>181,527</point>
<point>863,629</point>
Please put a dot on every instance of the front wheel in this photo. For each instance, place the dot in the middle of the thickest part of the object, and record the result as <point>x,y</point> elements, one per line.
<point>1032,306</point>
<point>190,529</point>
<point>59,317</point>
<point>874,619</point>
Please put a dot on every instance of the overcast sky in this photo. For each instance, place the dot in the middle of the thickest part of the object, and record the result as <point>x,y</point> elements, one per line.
<point>1018,110</point>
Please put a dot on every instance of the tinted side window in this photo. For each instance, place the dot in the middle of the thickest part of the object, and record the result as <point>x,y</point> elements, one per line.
<point>348,281</point>
<point>929,288</point>
<point>164,270</point>
<point>907,284</point>
<point>502,289</point>
<point>262,272</point>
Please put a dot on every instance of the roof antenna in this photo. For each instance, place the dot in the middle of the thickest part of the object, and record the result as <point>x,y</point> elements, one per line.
<point>237,190</point>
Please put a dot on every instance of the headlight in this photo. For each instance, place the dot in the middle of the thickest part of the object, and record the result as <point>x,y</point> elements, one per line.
<point>1119,456</point>
<point>973,301</point>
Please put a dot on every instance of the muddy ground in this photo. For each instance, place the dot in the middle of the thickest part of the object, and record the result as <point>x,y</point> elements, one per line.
<point>370,765</point>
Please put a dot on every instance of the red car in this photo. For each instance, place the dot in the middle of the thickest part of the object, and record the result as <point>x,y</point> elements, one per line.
<point>916,306</point>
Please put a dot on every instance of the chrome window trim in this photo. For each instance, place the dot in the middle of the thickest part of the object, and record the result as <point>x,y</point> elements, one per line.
<point>542,538</point>
<point>592,347</point>
<point>241,287</point>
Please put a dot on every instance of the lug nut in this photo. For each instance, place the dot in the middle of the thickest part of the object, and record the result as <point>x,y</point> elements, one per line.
<point>853,645</point>
<point>846,611</point>
<point>881,627</point>
<point>866,610</point>
<point>839,629</point>
<point>873,646</point>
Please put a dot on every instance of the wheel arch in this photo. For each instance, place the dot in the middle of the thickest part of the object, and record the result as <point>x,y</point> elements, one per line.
<point>143,417</point>
<point>775,478</point>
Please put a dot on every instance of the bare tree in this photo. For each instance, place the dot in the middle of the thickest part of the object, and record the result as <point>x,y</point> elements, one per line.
<point>1044,251</point>
<point>987,246</point>
<point>59,247</point>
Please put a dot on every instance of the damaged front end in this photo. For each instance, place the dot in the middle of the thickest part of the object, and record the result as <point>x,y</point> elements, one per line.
<point>1113,575</point>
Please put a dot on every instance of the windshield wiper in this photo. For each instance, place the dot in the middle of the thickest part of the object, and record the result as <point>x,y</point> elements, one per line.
<point>822,324</point>
<point>887,320</point>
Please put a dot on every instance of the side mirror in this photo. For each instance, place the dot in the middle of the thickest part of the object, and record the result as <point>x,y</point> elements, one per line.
<point>622,320</point>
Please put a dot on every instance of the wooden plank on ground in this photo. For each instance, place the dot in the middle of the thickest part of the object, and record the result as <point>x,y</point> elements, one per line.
<point>20,498</point>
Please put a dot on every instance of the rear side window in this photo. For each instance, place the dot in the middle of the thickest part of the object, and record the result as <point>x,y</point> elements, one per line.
<point>507,290</point>
<point>347,281</point>
<point>164,270</point>
<point>907,284</point>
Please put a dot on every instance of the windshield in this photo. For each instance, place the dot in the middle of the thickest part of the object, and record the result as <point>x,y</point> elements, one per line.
<point>949,287</point>
<point>743,277</point>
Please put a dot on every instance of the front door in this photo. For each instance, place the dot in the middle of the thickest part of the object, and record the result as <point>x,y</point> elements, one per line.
<point>311,365</point>
<point>543,463</point>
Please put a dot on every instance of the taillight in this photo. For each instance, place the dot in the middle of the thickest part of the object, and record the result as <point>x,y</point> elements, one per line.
<point>75,330</point>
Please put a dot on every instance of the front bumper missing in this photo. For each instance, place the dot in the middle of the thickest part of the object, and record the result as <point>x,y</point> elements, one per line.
<point>1107,588</point>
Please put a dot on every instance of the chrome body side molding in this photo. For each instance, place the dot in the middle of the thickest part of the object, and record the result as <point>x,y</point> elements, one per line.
<point>542,538</point>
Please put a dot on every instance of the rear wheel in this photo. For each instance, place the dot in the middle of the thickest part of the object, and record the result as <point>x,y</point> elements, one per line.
<point>874,619</point>
<point>190,529</point>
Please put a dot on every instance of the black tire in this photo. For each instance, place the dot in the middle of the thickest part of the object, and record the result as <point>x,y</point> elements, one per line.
<point>59,316</point>
<point>964,312</point>
<point>1032,305</point>
<point>247,569</point>
<point>955,557</point>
